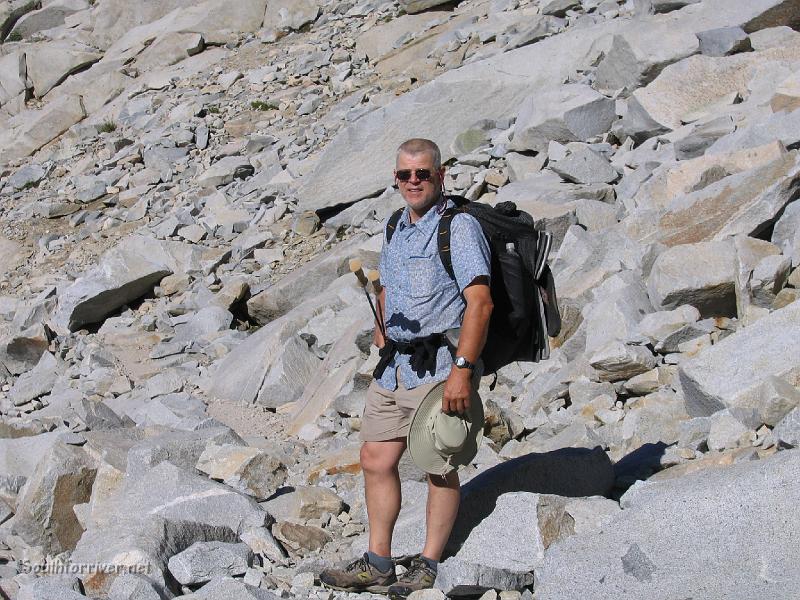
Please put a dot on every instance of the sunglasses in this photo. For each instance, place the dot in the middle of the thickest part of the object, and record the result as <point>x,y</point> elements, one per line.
<point>422,174</point>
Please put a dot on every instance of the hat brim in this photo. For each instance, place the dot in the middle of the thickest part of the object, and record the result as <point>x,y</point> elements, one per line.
<point>420,443</point>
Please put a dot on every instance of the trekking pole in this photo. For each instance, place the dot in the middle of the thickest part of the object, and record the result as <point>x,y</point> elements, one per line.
<point>374,277</point>
<point>355,268</point>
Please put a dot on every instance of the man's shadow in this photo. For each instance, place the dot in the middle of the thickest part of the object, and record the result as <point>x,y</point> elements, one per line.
<point>569,472</point>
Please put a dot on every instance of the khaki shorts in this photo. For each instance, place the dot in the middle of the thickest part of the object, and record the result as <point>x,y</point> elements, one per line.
<point>387,414</point>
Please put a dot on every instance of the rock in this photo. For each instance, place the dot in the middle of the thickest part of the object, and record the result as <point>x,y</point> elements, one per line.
<point>773,401</point>
<point>723,41</point>
<point>483,90</point>
<point>415,6</point>
<point>643,7</point>
<point>49,588</point>
<point>304,502</point>
<point>787,431</point>
<point>745,203</point>
<point>693,433</point>
<point>154,515</point>
<point>50,63</point>
<point>584,165</point>
<point>48,17</point>
<point>230,589</point>
<point>132,587</point>
<point>786,233</point>
<point>787,94</point>
<point>36,382</point>
<point>203,561</point>
<point>19,457</point>
<point>180,448</point>
<point>225,171</point>
<point>645,383</point>
<point>30,130</point>
<point>44,515</point>
<point>659,325</point>
<point>643,551</point>
<point>252,471</point>
<point>617,361</point>
<point>725,431</point>
<point>27,176</point>
<point>702,136</point>
<point>261,541</point>
<point>547,519</point>
<point>571,113</point>
<point>701,275</point>
<point>559,8</point>
<point>731,372</point>
<point>291,14</point>
<point>300,539</point>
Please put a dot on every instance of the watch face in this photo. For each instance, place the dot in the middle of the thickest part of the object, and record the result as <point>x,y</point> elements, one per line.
<point>460,361</point>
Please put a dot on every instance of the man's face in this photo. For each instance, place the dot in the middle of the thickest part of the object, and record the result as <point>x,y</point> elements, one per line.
<point>419,195</point>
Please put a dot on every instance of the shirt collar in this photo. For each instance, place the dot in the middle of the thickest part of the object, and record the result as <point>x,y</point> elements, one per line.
<point>427,223</point>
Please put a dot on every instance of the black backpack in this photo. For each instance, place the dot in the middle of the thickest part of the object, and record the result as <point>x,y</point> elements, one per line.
<point>522,286</point>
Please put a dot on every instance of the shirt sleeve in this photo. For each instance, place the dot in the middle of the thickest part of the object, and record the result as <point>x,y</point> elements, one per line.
<point>469,250</point>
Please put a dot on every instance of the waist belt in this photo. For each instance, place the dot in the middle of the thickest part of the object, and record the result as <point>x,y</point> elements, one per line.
<point>423,353</point>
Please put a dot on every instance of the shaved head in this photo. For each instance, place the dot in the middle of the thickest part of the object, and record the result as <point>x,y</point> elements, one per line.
<point>417,146</point>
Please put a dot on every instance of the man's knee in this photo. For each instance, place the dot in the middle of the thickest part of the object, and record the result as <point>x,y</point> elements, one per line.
<point>379,457</point>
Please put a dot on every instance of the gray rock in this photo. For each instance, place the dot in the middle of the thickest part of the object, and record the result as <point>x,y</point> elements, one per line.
<point>180,448</point>
<point>644,7</point>
<point>701,275</point>
<point>158,514</point>
<point>702,137</point>
<point>28,131</point>
<point>132,587</point>
<point>51,588</point>
<point>415,6</point>
<point>494,85</point>
<point>252,471</point>
<point>261,542</point>
<point>787,431</point>
<point>786,233</point>
<point>725,431</point>
<point>230,589</point>
<point>225,170</point>
<point>780,126</point>
<point>731,372</point>
<point>48,17</point>
<point>203,561</point>
<point>642,553</point>
<point>559,8</point>
<point>723,41</point>
<point>693,433</point>
<point>27,176</point>
<point>44,516</point>
<point>659,325</point>
<point>19,457</point>
<point>617,361</point>
<point>584,165</point>
<point>36,382</point>
<point>89,188</point>
<point>291,14</point>
<point>570,113</point>
<point>50,63</point>
<point>773,401</point>
<point>304,502</point>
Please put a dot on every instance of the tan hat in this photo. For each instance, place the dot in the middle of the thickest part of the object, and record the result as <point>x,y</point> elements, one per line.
<point>440,442</point>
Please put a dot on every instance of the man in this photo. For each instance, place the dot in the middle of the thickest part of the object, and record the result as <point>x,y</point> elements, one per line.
<point>420,301</point>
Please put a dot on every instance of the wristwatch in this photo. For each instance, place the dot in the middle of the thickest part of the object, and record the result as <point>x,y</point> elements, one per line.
<point>463,363</point>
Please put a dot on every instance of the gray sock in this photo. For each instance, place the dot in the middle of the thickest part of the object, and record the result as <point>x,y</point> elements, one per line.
<point>433,564</point>
<point>382,563</point>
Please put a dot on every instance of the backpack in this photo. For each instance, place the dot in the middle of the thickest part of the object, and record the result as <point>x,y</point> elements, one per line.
<point>522,286</point>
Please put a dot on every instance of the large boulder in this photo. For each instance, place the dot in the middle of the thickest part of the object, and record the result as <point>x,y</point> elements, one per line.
<point>51,15</point>
<point>157,514</point>
<point>415,6</point>
<point>28,131</point>
<point>731,373</point>
<point>290,14</point>
<point>62,479</point>
<point>700,535</point>
<point>13,76</point>
<point>702,275</point>
<point>50,63</point>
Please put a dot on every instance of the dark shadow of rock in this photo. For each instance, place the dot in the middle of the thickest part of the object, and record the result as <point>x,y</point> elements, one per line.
<point>570,472</point>
<point>637,466</point>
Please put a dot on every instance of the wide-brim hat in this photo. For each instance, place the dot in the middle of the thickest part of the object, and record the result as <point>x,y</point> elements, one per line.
<point>440,442</point>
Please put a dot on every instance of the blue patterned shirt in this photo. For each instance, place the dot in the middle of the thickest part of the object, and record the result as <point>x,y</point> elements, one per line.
<point>421,298</point>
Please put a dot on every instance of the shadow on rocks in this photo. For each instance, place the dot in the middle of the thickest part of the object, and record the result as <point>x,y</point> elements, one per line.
<point>570,472</point>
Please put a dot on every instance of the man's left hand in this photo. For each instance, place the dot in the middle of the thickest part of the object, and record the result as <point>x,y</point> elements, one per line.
<point>457,391</point>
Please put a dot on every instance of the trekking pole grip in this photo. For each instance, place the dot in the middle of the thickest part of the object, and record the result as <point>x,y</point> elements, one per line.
<point>355,268</point>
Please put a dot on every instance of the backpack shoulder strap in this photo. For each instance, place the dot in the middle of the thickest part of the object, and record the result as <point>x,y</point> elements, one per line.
<point>392,224</point>
<point>443,240</point>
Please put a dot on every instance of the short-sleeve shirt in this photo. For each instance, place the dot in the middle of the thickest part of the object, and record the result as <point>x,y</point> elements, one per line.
<point>421,298</point>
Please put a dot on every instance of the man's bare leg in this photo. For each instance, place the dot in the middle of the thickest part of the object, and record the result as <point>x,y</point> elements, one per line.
<point>444,495</point>
<point>379,462</point>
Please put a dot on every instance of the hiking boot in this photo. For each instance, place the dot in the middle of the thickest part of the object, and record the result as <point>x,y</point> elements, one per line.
<point>358,576</point>
<point>419,576</point>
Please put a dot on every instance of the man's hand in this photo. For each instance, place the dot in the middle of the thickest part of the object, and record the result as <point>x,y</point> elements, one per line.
<point>457,391</point>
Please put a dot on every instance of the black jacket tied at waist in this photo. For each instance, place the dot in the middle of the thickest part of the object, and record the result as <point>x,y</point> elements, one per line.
<point>423,353</point>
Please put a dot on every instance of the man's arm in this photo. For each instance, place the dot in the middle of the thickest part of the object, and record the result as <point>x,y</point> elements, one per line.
<point>474,327</point>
